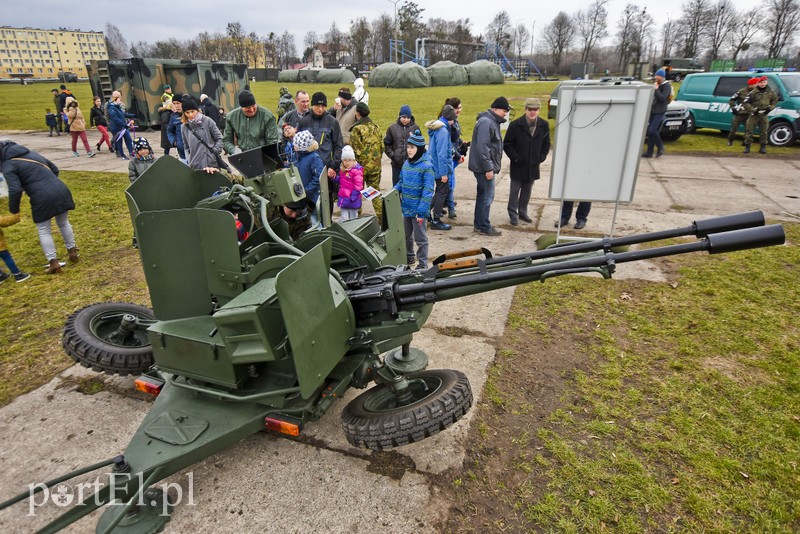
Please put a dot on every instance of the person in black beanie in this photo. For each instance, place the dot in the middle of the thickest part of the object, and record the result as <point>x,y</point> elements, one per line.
<point>250,125</point>
<point>484,161</point>
<point>328,135</point>
<point>201,137</point>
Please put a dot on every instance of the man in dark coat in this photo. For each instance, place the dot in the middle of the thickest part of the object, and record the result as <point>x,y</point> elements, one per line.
<point>210,110</point>
<point>486,152</point>
<point>526,144</point>
<point>28,172</point>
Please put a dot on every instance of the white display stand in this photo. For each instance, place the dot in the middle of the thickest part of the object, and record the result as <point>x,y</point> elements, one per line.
<point>599,137</point>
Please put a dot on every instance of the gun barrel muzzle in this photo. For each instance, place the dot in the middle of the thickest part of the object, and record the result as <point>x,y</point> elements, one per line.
<point>747,238</point>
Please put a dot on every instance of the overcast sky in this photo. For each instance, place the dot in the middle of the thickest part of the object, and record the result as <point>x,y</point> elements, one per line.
<point>153,20</point>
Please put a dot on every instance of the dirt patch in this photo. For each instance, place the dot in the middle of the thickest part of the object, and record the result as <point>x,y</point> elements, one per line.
<point>504,450</point>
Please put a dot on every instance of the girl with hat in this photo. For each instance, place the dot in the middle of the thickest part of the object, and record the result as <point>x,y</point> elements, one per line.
<point>142,159</point>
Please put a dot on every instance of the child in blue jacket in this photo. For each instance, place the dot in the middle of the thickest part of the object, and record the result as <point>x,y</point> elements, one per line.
<point>416,186</point>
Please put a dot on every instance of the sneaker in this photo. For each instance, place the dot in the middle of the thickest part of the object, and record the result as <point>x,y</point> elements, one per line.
<point>439,225</point>
<point>580,224</point>
<point>647,155</point>
<point>4,276</point>
<point>91,154</point>
<point>122,156</point>
<point>525,218</point>
<point>659,153</point>
<point>76,154</point>
<point>494,232</point>
<point>21,277</point>
<point>421,267</point>
<point>451,214</point>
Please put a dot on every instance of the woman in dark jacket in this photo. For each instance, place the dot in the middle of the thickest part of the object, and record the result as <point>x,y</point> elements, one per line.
<point>526,144</point>
<point>30,173</point>
<point>97,118</point>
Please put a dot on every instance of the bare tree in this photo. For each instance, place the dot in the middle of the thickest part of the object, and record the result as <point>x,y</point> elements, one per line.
<point>335,40</point>
<point>785,17</point>
<point>409,18</point>
<point>499,31</point>
<point>693,23</point>
<point>287,50</point>
<point>271,50</point>
<point>521,38</point>
<point>358,38</point>
<point>236,35</point>
<point>745,26</point>
<point>721,19</point>
<point>141,49</point>
<point>668,34</point>
<point>382,32</point>
<point>116,44</point>
<point>591,25</point>
<point>558,37</point>
<point>633,34</point>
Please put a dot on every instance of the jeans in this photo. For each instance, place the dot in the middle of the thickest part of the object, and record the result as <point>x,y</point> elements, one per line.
<point>416,233</point>
<point>653,137</point>
<point>9,261</point>
<point>45,231</point>
<point>118,139</point>
<point>581,215</point>
<point>483,202</point>
<point>518,197</point>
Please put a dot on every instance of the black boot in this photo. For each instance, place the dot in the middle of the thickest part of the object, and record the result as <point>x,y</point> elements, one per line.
<point>763,149</point>
<point>746,149</point>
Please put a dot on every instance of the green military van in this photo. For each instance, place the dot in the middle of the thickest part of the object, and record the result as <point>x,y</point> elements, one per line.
<point>707,96</point>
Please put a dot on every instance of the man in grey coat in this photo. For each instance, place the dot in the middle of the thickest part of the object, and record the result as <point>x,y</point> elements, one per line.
<point>484,161</point>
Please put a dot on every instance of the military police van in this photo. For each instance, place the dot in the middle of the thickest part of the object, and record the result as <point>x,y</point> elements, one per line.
<point>707,95</point>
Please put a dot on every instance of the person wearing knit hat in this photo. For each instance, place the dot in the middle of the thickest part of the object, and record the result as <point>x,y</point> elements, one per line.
<point>249,126</point>
<point>210,110</point>
<point>174,127</point>
<point>202,138</point>
<point>486,151</point>
<point>740,114</point>
<point>658,108</point>
<point>351,183</point>
<point>362,109</point>
<point>142,159</point>
<point>319,99</point>
<point>310,166</point>
<point>416,187</point>
<point>394,142</point>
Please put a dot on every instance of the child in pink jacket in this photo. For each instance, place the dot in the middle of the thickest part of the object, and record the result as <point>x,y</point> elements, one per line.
<point>351,183</point>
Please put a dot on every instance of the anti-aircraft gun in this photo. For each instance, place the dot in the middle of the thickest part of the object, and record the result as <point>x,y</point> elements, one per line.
<point>269,332</point>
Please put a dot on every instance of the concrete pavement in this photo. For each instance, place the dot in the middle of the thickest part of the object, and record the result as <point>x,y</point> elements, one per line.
<point>270,484</point>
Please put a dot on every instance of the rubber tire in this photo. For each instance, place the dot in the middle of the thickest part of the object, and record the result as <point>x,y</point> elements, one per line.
<point>426,416</point>
<point>780,134</point>
<point>691,124</point>
<point>83,346</point>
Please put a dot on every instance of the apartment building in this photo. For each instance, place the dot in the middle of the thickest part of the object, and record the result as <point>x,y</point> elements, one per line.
<point>44,53</point>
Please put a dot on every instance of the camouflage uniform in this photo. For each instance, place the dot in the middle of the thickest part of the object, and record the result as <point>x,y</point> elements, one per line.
<point>367,142</point>
<point>59,116</point>
<point>285,103</point>
<point>739,114</point>
<point>760,103</point>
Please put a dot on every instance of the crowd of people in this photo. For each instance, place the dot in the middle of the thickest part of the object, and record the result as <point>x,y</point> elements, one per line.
<point>308,134</point>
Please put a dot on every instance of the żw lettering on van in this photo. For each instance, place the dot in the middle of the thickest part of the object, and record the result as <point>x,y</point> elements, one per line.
<point>721,107</point>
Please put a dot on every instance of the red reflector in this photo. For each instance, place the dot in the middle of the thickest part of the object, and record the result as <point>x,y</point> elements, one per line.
<point>285,425</point>
<point>148,384</point>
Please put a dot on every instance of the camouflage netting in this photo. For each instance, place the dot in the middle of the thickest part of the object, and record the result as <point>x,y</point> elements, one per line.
<point>447,73</point>
<point>484,72</point>
<point>307,75</point>
<point>407,75</point>
<point>335,76</point>
<point>288,76</point>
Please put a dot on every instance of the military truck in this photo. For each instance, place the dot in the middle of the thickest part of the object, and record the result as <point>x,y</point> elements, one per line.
<point>141,82</point>
<point>678,68</point>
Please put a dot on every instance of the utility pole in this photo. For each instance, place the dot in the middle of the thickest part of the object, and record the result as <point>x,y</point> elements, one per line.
<point>395,2</point>
<point>533,29</point>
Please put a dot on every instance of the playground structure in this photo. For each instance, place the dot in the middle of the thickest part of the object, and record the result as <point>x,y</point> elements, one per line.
<point>520,69</point>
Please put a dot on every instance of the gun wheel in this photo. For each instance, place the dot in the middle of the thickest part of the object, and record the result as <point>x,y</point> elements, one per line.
<point>91,338</point>
<point>375,420</point>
